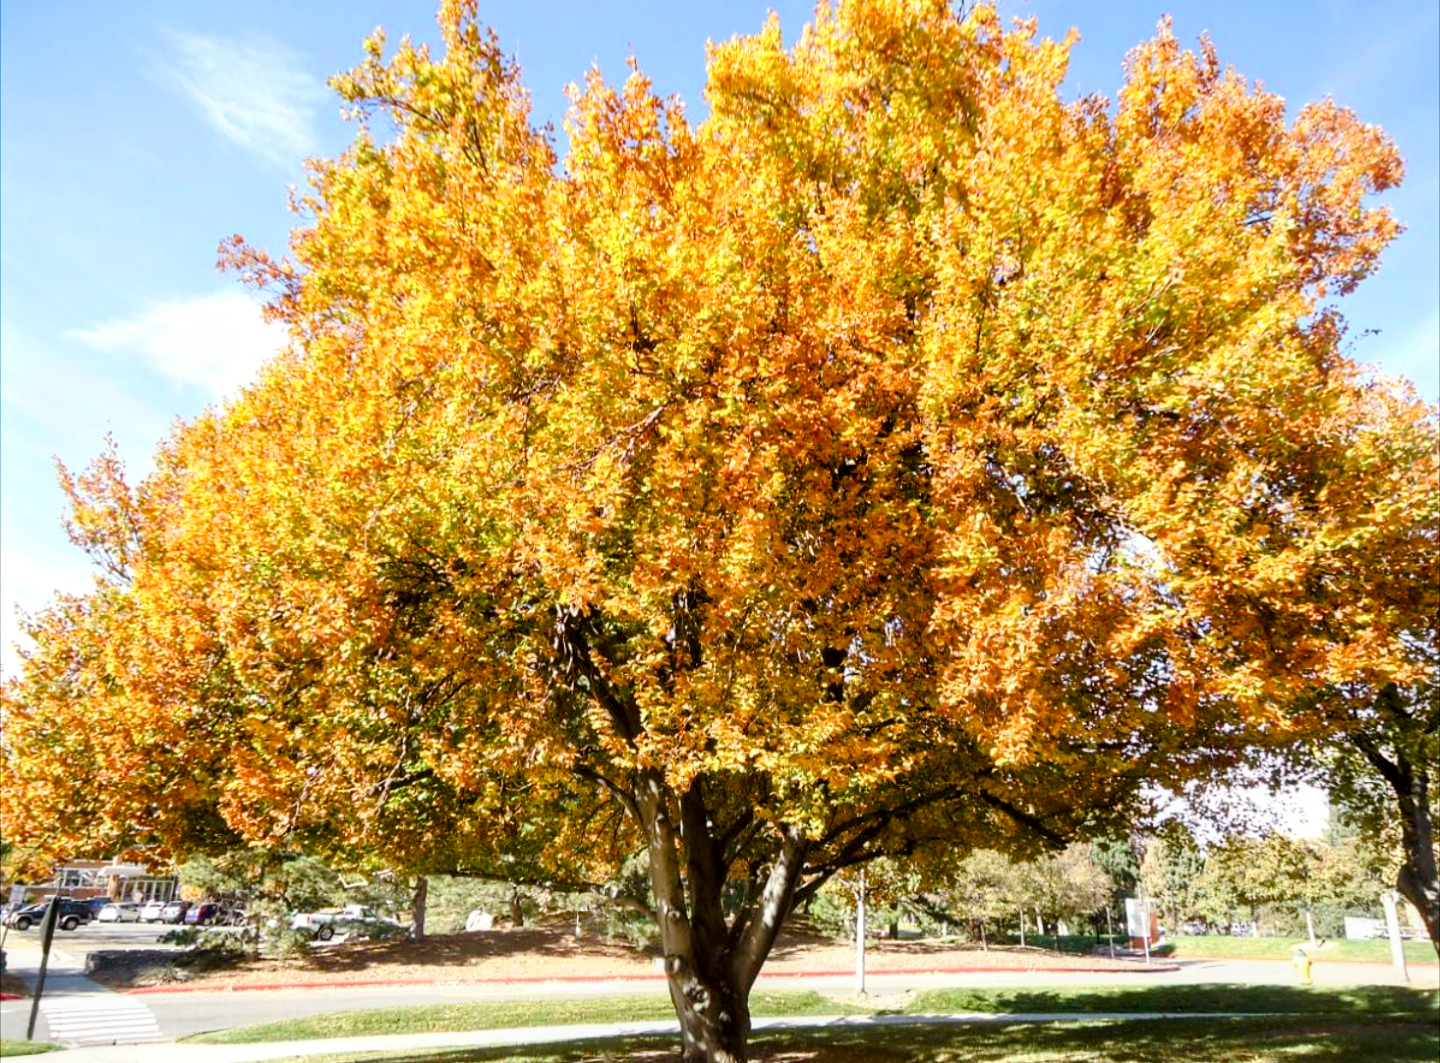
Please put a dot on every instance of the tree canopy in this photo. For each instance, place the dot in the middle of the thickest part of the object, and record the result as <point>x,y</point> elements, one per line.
<point>903,455</point>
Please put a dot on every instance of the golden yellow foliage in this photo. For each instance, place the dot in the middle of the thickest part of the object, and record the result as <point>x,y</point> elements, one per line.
<point>901,455</point>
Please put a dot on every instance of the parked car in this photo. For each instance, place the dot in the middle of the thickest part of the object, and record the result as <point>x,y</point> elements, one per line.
<point>150,911</point>
<point>71,916</point>
<point>353,920</point>
<point>212,914</point>
<point>202,914</point>
<point>120,912</point>
<point>174,912</point>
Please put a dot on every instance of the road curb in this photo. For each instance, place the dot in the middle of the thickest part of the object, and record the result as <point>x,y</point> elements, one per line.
<point>592,979</point>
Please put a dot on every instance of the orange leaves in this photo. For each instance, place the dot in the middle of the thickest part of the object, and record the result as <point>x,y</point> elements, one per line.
<point>901,430</point>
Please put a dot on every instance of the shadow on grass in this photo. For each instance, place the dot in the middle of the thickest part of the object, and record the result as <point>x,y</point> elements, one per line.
<point>1135,1042</point>
<point>1229,1041</point>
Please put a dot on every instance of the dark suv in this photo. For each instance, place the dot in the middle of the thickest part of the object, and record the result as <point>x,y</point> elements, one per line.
<point>72,914</point>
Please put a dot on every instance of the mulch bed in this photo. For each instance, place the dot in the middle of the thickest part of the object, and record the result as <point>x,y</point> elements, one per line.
<point>543,953</point>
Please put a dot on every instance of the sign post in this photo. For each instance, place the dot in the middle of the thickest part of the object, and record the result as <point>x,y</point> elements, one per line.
<point>860,937</point>
<point>52,915</point>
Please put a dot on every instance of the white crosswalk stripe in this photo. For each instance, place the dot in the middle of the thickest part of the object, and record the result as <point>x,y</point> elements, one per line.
<point>99,1020</point>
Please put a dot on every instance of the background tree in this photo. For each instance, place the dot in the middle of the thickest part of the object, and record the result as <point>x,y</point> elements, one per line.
<point>1115,852</point>
<point>1171,872</point>
<point>1356,865</point>
<point>1068,886</point>
<point>902,457</point>
<point>1265,880</point>
<point>988,888</point>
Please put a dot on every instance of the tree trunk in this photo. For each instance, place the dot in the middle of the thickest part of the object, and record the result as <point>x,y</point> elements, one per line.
<point>714,1013</point>
<point>417,908</point>
<point>710,965</point>
<point>517,913</point>
<point>1418,880</point>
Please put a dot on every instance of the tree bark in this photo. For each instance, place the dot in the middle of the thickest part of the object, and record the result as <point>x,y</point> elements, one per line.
<point>714,1013</point>
<point>1419,878</point>
<point>710,964</point>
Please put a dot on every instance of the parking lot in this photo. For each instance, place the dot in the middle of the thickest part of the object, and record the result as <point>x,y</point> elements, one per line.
<point>92,936</point>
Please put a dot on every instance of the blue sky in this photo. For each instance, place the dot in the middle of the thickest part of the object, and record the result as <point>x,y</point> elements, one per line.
<point>135,136</point>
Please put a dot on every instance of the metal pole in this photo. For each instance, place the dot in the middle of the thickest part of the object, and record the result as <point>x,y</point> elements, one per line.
<point>52,913</point>
<point>1391,900</point>
<point>860,937</point>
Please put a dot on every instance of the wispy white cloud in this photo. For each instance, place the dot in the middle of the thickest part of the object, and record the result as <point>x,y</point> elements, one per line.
<point>253,92</point>
<point>216,341</point>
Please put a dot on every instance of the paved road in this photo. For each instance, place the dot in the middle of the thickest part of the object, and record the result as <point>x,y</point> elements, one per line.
<point>122,1018</point>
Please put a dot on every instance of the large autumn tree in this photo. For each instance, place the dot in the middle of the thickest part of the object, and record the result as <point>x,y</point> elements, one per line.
<point>903,456</point>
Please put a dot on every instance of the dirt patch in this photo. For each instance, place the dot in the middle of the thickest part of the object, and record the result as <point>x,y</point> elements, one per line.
<point>544,953</point>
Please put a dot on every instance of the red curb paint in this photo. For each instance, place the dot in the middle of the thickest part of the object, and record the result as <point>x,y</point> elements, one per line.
<point>590,979</point>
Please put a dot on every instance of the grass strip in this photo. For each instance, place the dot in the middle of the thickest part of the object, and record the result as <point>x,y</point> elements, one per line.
<point>499,1015</point>
<point>1362,1003</point>
<point>1259,1040</point>
<point>1225,947</point>
<point>25,1048</point>
<point>1338,950</point>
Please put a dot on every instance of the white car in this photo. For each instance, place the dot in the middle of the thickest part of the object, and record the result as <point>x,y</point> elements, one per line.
<point>151,912</point>
<point>120,912</point>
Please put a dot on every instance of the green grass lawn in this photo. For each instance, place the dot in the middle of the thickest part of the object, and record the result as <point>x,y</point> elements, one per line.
<point>1230,1041</point>
<point>25,1048</point>
<point>1366,1003</point>
<point>1362,1005</point>
<point>499,1015</point>
<point>1224,947</point>
<point>1340,950</point>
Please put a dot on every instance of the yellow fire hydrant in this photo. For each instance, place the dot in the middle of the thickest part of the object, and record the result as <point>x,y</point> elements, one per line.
<point>1301,962</point>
